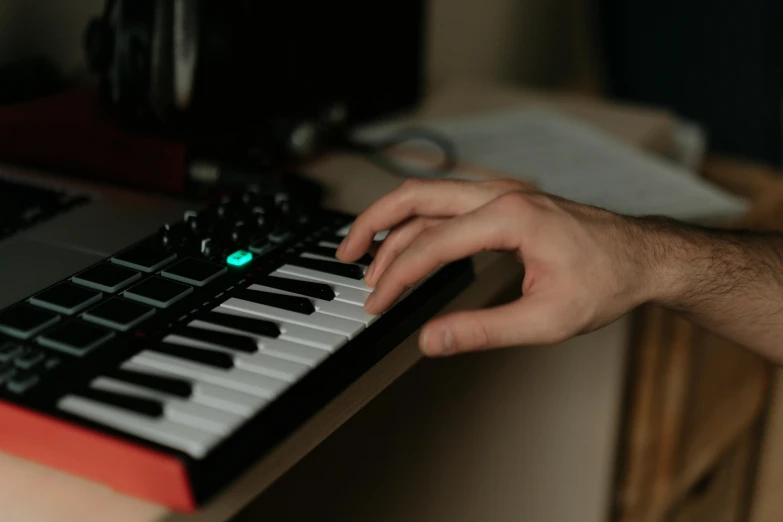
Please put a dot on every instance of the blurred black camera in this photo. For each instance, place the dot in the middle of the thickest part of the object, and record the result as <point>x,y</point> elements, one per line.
<point>236,72</point>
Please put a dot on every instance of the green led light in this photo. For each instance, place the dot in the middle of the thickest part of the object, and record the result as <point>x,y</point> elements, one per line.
<point>239,258</point>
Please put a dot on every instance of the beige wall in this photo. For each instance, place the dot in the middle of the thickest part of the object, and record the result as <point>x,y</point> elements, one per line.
<point>539,42</point>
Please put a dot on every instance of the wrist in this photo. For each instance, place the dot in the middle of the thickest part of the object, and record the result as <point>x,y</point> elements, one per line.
<point>672,255</point>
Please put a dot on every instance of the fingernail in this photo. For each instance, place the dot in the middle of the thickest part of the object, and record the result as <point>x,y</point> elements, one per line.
<point>439,342</point>
<point>447,341</point>
<point>369,272</point>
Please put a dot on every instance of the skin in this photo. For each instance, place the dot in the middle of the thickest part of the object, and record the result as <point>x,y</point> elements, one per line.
<point>584,267</point>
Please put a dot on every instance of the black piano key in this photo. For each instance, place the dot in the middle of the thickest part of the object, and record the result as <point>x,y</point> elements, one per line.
<point>140,405</point>
<point>199,355</point>
<point>241,343</point>
<point>365,260</point>
<point>246,324</point>
<point>329,267</point>
<point>291,303</point>
<point>170,385</point>
<point>309,289</point>
<point>322,251</point>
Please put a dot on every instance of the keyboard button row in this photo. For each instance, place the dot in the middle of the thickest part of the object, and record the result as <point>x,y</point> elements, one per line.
<point>124,270</point>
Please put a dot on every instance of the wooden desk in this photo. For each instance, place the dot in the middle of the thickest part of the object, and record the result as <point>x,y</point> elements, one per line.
<point>486,387</point>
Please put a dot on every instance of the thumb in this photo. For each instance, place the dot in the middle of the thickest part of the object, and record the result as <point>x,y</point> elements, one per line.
<point>531,320</point>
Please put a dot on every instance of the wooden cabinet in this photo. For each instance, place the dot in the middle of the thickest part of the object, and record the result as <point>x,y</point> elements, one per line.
<point>721,495</point>
<point>693,397</point>
<point>697,404</point>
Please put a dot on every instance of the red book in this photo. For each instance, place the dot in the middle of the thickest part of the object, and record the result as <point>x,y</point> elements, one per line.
<point>73,133</point>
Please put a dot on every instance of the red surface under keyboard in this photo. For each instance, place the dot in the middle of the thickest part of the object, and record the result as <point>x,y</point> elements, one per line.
<point>120,465</point>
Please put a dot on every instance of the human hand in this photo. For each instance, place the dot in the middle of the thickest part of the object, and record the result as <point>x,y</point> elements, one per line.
<point>584,267</point>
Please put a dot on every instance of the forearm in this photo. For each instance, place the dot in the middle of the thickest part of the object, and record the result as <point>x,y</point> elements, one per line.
<point>730,282</point>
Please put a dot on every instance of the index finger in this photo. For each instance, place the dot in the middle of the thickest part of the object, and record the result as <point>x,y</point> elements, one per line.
<point>418,197</point>
<point>463,236</point>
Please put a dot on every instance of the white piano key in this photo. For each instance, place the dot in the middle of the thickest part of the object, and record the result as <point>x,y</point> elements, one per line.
<point>298,334</point>
<point>161,430</point>
<point>342,293</point>
<point>319,257</point>
<point>231,401</point>
<point>342,232</point>
<point>234,378</point>
<point>294,351</point>
<point>308,255</point>
<point>274,366</point>
<point>316,321</point>
<point>176,409</point>
<point>349,295</point>
<point>328,244</point>
<point>253,362</point>
<point>287,350</point>
<point>335,308</point>
<point>323,277</point>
